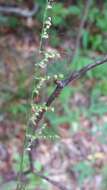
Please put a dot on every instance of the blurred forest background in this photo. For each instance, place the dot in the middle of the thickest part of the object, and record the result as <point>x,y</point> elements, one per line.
<point>78,159</point>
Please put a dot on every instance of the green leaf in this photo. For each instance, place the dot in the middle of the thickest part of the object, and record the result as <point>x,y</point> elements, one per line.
<point>75,10</point>
<point>38,166</point>
<point>65,94</point>
<point>84,169</point>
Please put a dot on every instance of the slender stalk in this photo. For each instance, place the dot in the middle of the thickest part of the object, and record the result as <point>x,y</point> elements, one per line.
<point>80,29</point>
<point>44,18</point>
<point>20,184</point>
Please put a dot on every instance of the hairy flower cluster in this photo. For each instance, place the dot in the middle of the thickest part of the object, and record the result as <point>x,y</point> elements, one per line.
<point>37,109</point>
<point>46,28</point>
<point>47,22</point>
<point>48,54</point>
<point>40,134</point>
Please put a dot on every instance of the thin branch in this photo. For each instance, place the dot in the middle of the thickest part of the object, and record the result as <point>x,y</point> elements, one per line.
<point>55,183</point>
<point>77,74</point>
<point>61,84</point>
<point>18,11</point>
<point>82,23</point>
<point>30,160</point>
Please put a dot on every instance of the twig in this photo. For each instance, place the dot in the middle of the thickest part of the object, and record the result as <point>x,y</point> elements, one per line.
<point>77,74</point>
<point>61,84</point>
<point>18,11</point>
<point>82,23</point>
<point>55,183</point>
<point>31,160</point>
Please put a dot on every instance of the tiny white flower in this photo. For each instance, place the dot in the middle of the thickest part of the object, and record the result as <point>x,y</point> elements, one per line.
<point>28,149</point>
<point>49,18</point>
<point>49,7</point>
<point>52,109</point>
<point>48,22</point>
<point>55,76</point>
<point>42,66</point>
<point>45,36</point>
